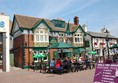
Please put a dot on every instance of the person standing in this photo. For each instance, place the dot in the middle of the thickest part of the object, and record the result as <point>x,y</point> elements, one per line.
<point>88,63</point>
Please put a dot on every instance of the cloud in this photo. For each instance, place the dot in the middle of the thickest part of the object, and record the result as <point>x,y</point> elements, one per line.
<point>53,7</point>
<point>80,5</point>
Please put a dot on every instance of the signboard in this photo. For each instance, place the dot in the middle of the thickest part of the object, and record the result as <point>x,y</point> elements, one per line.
<point>53,40</point>
<point>2,24</point>
<point>106,73</point>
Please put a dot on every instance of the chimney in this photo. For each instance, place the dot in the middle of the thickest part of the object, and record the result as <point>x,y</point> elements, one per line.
<point>76,21</point>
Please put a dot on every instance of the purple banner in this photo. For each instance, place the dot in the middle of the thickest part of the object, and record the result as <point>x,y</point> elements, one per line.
<point>106,73</point>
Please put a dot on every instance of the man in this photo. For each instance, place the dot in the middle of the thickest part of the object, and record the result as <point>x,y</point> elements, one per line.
<point>52,65</point>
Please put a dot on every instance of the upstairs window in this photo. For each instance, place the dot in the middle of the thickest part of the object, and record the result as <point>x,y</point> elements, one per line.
<point>41,36</point>
<point>78,38</point>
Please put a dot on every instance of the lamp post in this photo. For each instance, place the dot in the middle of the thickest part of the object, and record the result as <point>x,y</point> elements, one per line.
<point>28,51</point>
<point>107,39</point>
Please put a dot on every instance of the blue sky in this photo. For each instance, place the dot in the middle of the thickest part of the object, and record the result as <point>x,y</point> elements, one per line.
<point>95,13</point>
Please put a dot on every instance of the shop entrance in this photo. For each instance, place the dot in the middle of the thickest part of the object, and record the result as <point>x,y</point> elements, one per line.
<point>1,51</point>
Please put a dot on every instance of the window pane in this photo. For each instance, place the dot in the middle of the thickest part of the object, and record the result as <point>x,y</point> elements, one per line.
<point>75,39</point>
<point>41,32</point>
<point>81,39</point>
<point>37,37</point>
<point>36,31</point>
<point>41,38</point>
<point>78,40</point>
<point>46,38</point>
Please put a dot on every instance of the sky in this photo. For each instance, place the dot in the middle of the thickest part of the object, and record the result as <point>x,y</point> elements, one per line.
<point>96,14</point>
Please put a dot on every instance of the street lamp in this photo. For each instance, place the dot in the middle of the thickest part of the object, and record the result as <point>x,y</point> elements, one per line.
<point>107,39</point>
<point>28,50</point>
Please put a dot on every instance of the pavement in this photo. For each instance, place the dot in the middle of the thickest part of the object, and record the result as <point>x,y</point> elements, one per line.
<point>17,75</point>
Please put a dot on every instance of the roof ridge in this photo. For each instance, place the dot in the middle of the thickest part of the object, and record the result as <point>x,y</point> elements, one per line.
<point>30,16</point>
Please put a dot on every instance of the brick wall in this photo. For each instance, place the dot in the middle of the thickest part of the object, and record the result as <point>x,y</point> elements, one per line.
<point>51,53</point>
<point>18,51</point>
<point>28,55</point>
<point>21,54</point>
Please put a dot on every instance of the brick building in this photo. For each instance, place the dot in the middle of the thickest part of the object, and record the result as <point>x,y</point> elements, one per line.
<point>32,34</point>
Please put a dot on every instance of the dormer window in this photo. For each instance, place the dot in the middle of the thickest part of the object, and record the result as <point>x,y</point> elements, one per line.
<point>58,23</point>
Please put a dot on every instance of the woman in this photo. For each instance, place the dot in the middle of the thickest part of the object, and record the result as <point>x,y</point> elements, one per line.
<point>58,66</point>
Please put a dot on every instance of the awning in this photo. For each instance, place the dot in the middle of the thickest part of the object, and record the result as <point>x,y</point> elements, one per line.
<point>61,45</point>
<point>40,48</point>
<point>93,52</point>
<point>79,50</point>
<point>65,51</point>
<point>114,46</point>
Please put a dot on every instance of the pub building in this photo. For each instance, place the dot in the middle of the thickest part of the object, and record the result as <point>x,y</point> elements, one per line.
<point>38,35</point>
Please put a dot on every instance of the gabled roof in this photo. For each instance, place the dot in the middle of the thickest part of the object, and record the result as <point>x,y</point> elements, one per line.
<point>99,34</point>
<point>28,22</point>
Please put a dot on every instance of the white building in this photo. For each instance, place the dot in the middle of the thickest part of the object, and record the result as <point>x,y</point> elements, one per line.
<point>4,42</point>
<point>98,41</point>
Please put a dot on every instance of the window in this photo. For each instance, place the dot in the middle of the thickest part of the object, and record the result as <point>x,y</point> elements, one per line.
<point>97,40</point>
<point>58,23</point>
<point>41,36</point>
<point>78,38</point>
<point>61,34</point>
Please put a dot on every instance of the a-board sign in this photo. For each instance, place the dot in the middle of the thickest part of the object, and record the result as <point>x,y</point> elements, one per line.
<point>106,73</point>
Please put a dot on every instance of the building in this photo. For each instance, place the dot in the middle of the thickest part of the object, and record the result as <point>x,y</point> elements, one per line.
<point>100,42</point>
<point>35,35</point>
<point>4,43</point>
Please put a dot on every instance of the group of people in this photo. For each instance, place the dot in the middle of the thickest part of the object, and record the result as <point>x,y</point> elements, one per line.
<point>59,65</point>
<point>70,64</point>
<point>109,59</point>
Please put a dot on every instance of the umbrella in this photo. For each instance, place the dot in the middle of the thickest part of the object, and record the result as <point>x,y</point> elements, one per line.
<point>114,46</point>
<point>79,50</point>
<point>92,52</point>
<point>40,55</point>
<point>36,56</point>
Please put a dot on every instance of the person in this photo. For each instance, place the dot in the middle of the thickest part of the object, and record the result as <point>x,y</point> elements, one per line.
<point>65,64</point>
<point>69,64</point>
<point>101,60</point>
<point>52,65</point>
<point>88,63</point>
<point>108,60</point>
<point>58,66</point>
<point>93,62</point>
